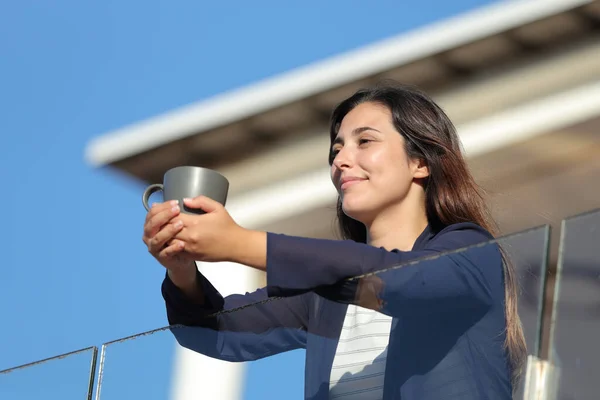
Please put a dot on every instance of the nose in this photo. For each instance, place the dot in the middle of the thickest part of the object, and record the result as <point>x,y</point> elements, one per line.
<point>343,159</point>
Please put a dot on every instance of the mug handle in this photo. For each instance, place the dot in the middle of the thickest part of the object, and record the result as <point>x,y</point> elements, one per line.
<point>155,187</point>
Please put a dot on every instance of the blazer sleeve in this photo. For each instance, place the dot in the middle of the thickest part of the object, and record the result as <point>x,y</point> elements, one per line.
<point>469,276</point>
<point>246,326</point>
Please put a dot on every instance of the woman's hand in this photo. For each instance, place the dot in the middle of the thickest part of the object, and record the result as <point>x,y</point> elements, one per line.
<point>161,225</point>
<point>215,236</point>
<point>212,236</point>
<point>176,239</point>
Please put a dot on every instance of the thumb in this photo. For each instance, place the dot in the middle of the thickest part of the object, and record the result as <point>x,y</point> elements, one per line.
<point>203,203</point>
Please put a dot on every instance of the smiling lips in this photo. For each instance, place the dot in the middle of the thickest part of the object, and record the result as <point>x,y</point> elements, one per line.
<point>350,181</point>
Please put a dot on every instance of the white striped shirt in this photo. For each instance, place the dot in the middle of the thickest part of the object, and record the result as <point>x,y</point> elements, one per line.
<point>359,362</point>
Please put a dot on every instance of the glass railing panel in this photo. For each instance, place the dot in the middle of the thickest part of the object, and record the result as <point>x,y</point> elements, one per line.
<point>65,377</point>
<point>576,319</point>
<point>528,252</point>
<point>153,365</point>
<point>431,322</point>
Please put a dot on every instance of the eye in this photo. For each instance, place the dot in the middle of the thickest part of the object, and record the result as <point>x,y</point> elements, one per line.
<point>362,141</point>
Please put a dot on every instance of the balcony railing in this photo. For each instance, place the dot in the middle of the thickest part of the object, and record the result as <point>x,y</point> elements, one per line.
<point>559,305</point>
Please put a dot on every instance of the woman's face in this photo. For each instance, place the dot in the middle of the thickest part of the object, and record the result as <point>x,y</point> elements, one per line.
<point>371,170</point>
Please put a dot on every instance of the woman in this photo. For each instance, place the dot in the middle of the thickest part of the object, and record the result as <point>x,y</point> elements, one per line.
<point>446,327</point>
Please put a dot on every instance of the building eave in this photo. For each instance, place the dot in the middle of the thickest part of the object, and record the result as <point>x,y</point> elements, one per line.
<point>294,86</point>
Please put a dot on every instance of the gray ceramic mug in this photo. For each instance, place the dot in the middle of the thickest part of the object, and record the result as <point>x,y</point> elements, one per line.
<point>188,182</point>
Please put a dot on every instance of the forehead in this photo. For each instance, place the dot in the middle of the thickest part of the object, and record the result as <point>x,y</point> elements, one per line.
<point>366,115</point>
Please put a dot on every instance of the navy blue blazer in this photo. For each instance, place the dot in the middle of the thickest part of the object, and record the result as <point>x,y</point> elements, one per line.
<point>448,327</point>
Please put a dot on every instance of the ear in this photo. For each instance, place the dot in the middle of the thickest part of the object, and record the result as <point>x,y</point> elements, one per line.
<point>420,169</point>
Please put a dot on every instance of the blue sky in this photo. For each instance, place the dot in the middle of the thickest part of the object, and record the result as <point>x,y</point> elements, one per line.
<point>74,272</point>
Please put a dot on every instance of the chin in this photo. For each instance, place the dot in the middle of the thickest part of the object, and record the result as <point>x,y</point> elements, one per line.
<point>357,211</point>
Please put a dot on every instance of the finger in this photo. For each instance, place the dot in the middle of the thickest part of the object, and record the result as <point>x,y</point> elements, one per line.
<point>173,249</point>
<point>203,203</point>
<point>157,208</point>
<point>158,241</point>
<point>160,219</point>
<point>152,227</point>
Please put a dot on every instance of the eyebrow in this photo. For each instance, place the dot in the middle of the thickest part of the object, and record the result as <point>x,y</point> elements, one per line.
<point>357,131</point>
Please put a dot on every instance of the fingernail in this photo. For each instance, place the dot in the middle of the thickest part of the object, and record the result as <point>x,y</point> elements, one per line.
<point>174,202</point>
<point>153,204</point>
<point>187,199</point>
<point>178,224</point>
<point>175,209</point>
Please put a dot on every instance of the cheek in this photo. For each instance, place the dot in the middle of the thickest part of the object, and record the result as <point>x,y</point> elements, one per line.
<point>381,165</point>
<point>373,161</point>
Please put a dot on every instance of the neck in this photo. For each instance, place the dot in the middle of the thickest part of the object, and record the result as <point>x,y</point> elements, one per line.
<point>397,227</point>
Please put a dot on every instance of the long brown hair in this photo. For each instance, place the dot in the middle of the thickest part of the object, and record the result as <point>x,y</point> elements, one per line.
<point>452,195</point>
